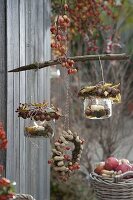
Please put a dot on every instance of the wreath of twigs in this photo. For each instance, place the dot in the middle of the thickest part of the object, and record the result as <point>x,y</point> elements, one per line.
<point>38,111</point>
<point>106,90</point>
<point>63,163</point>
<point>3,140</point>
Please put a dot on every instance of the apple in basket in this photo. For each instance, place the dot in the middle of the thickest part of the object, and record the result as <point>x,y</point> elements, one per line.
<point>124,167</point>
<point>111,163</point>
<point>112,166</point>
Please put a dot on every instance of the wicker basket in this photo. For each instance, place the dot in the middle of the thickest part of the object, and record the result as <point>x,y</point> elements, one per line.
<point>113,188</point>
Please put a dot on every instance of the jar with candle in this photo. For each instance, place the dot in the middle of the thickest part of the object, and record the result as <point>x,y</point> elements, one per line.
<point>39,118</point>
<point>97,108</point>
<point>98,99</point>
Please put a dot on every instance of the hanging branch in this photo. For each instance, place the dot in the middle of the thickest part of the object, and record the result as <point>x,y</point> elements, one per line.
<point>76,59</point>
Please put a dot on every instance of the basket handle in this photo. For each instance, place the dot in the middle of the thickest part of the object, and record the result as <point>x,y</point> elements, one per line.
<point>120,177</point>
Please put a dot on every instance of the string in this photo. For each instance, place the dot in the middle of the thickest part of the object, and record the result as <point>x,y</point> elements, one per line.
<point>66,119</point>
<point>101,70</point>
<point>67,111</point>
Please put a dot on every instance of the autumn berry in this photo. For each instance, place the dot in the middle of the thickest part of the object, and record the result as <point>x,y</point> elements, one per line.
<point>53,29</point>
<point>60,20</point>
<point>82,141</point>
<point>72,71</point>
<point>47,117</point>
<point>78,166</point>
<point>68,148</point>
<point>53,45</point>
<point>49,161</point>
<point>66,6</point>
<point>59,37</point>
<point>71,168</point>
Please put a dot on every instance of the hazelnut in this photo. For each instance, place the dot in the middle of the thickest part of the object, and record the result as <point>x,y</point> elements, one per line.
<point>47,117</point>
<point>36,118</point>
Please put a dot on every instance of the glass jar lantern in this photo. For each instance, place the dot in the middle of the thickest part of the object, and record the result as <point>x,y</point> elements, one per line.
<point>38,129</point>
<point>97,108</point>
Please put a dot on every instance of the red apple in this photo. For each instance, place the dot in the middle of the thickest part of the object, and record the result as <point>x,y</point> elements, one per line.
<point>124,167</point>
<point>111,163</point>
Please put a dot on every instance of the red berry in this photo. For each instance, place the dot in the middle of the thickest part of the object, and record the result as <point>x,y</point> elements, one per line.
<point>69,71</point>
<point>59,38</point>
<point>71,168</point>
<point>65,6</point>
<point>72,71</point>
<point>60,20</point>
<point>68,148</point>
<point>78,166</point>
<point>52,45</point>
<point>49,162</point>
<point>65,156</point>
<point>53,29</point>
<point>82,141</point>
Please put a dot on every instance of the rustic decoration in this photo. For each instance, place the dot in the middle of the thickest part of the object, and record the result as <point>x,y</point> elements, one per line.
<point>75,59</point>
<point>64,164</point>
<point>98,99</point>
<point>106,90</point>
<point>38,111</point>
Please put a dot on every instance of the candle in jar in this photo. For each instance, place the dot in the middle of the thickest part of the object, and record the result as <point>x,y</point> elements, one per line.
<point>97,107</point>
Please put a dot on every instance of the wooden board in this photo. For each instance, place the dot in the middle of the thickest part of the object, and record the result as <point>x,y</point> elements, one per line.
<point>28,41</point>
<point>3,78</point>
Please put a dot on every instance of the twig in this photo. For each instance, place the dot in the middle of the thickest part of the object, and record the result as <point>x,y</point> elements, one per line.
<point>76,59</point>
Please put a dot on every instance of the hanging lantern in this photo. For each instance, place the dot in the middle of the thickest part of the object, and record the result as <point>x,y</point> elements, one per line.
<point>39,118</point>
<point>98,100</point>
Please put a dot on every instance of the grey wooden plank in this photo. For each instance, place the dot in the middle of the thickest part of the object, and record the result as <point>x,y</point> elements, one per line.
<point>15,53</point>
<point>10,98</point>
<point>13,28</point>
<point>3,73</point>
<point>22,96</point>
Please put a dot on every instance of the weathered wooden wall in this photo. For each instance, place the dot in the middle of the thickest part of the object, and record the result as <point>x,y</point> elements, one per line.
<point>28,41</point>
<point>3,78</point>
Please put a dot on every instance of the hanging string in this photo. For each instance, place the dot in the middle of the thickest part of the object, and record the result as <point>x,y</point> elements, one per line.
<point>67,106</point>
<point>67,112</point>
<point>101,70</point>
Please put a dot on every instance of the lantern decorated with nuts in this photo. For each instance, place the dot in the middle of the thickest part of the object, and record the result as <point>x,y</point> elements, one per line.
<point>39,118</point>
<point>98,100</point>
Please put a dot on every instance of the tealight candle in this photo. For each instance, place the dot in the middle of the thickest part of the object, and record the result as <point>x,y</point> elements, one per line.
<point>97,107</point>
